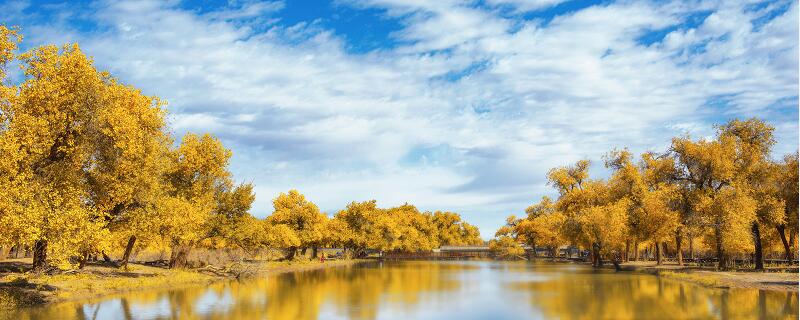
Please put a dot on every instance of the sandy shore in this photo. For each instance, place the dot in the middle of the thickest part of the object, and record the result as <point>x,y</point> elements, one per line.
<point>778,279</point>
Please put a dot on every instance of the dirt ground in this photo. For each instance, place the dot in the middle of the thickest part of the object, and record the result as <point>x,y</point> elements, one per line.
<point>781,279</point>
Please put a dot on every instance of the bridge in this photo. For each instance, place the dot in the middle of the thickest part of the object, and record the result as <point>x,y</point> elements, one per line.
<point>444,253</point>
<point>468,252</point>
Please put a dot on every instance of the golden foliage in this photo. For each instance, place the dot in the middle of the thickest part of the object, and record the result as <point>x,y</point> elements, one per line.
<point>722,189</point>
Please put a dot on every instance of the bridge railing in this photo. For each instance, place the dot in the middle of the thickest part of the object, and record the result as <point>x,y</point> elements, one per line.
<point>446,255</point>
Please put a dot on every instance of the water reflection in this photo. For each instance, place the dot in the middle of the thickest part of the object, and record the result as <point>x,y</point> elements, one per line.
<point>437,290</point>
<point>608,295</point>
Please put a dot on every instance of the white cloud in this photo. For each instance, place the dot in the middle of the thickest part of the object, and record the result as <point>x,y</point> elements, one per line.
<point>526,5</point>
<point>468,114</point>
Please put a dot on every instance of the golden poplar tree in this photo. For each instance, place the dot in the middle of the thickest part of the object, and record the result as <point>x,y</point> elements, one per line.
<point>53,124</point>
<point>787,180</point>
<point>719,195</point>
<point>198,168</point>
<point>293,210</point>
<point>753,140</point>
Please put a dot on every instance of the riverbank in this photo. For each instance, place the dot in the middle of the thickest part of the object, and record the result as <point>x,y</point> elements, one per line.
<point>23,289</point>
<point>776,279</point>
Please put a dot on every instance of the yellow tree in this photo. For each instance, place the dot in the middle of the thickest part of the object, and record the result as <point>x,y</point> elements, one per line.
<point>571,182</point>
<point>471,234</point>
<point>416,231</point>
<point>300,215</point>
<point>650,196</point>
<point>452,230</point>
<point>49,135</point>
<point>360,219</point>
<point>199,167</point>
<point>11,211</point>
<point>506,246</point>
<point>9,40</point>
<point>130,157</point>
<point>577,194</point>
<point>508,229</point>
<point>542,226</point>
<point>336,233</point>
<point>278,235</point>
<point>385,232</point>
<point>508,233</point>
<point>244,232</point>
<point>753,141</point>
<point>787,180</point>
<point>721,199</point>
<point>605,228</point>
<point>661,175</point>
<point>526,230</point>
<point>230,222</point>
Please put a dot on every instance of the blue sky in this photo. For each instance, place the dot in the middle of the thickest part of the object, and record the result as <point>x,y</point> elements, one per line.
<point>449,105</point>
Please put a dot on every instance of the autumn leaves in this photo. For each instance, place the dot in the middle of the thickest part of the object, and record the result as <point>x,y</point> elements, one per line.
<point>363,226</point>
<point>89,168</point>
<point>88,163</point>
<point>725,192</point>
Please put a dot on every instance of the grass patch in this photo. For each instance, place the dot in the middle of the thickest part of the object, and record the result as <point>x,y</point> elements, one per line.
<point>18,290</point>
<point>708,280</point>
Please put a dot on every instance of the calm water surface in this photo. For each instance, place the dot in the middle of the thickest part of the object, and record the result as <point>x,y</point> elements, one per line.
<point>437,290</point>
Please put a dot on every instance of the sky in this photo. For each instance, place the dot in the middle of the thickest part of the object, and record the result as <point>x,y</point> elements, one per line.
<point>448,105</point>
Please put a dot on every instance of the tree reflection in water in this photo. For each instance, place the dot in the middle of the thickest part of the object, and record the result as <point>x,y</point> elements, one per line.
<point>466,290</point>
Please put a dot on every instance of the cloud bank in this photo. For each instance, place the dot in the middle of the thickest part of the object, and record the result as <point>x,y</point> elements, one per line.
<point>452,105</point>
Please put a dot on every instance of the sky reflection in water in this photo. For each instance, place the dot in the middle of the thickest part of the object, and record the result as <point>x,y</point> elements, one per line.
<point>437,290</point>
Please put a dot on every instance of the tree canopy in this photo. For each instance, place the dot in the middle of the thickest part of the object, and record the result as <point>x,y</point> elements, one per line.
<point>725,191</point>
<point>89,166</point>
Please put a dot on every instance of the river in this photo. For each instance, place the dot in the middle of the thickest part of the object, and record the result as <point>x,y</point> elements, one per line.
<point>437,290</point>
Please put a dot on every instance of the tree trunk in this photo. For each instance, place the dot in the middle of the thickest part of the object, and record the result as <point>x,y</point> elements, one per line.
<point>722,259</point>
<point>759,255</point>
<point>178,258</point>
<point>4,252</point>
<point>291,252</point>
<point>627,249</point>
<point>314,252</point>
<point>106,258</point>
<point>128,249</point>
<point>303,252</point>
<point>40,255</point>
<point>665,253</point>
<point>598,259</point>
<point>658,254</point>
<point>786,247</point>
<point>678,248</point>
<point>533,246</point>
<point>691,247</point>
<point>84,258</point>
<point>616,260</point>
<point>635,250</point>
